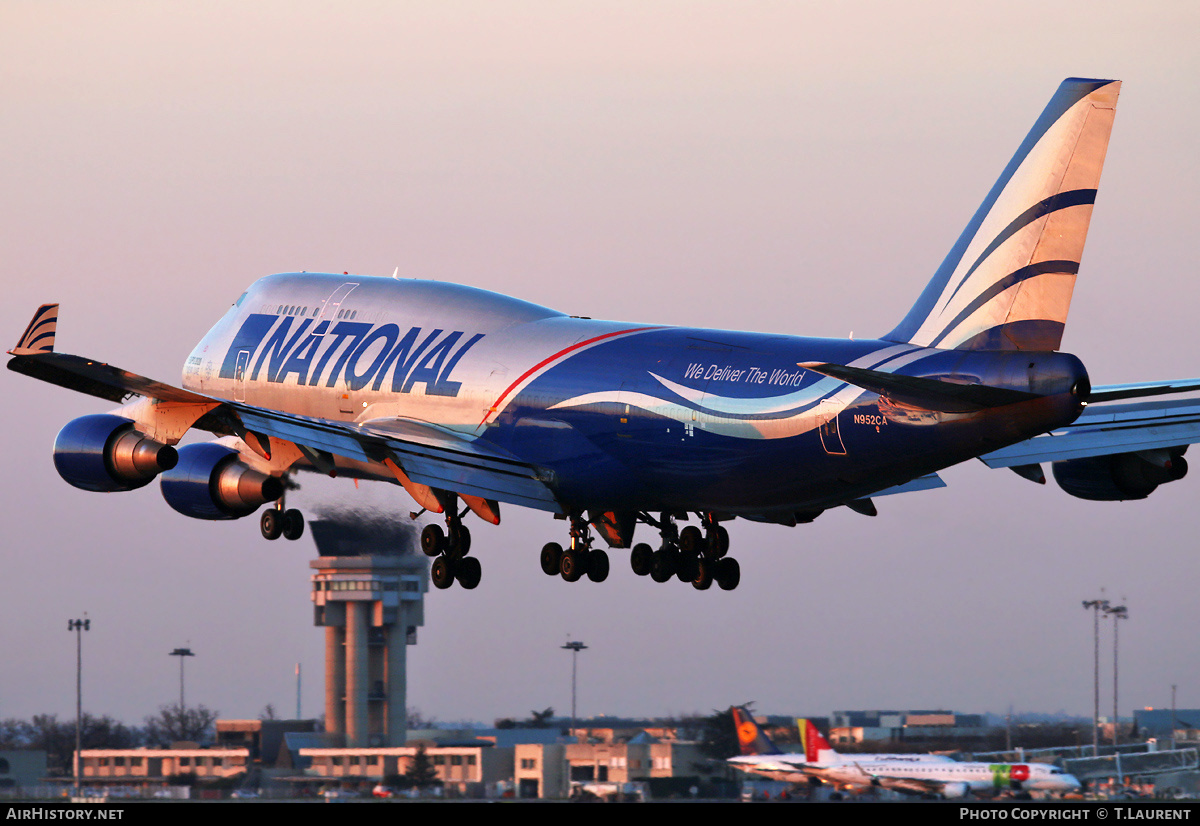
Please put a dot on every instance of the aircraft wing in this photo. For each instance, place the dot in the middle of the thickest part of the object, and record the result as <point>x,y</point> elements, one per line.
<point>1105,429</point>
<point>429,455</point>
<point>97,378</point>
<point>772,769</point>
<point>908,785</point>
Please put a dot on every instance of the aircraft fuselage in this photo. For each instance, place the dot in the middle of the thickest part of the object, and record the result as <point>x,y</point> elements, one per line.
<point>619,416</point>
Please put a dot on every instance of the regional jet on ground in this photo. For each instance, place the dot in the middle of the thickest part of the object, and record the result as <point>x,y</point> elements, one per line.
<point>468,399</point>
<point>917,774</point>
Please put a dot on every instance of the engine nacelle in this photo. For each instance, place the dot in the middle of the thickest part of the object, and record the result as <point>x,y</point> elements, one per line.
<point>1122,476</point>
<point>951,791</point>
<point>211,483</point>
<point>106,453</point>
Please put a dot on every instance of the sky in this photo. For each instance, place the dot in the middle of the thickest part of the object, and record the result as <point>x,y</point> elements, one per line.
<point>792,167</point>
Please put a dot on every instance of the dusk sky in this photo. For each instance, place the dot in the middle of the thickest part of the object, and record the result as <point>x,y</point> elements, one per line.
<point>782,167</point>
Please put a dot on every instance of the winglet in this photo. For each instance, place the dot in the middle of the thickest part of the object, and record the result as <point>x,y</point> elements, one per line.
<point>39,335</point>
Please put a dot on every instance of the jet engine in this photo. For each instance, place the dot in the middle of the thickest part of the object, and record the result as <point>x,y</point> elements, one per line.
<point>210,482</point>
<point>1121,476</point>
<point>106,453</point>
<point>955,790</point>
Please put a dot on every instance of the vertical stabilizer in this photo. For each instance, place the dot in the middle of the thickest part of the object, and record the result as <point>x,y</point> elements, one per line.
<point>1006,284</point>
<point>816,747</point>
<point>751,739</point>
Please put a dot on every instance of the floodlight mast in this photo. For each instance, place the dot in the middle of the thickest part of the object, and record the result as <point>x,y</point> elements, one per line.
<point>78,626</point>
<point>574,646</point>
<point>1096,606</point>
<point>181,653</point>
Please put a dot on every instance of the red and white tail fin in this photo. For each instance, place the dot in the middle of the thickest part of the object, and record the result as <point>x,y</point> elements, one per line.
<point>816,747</point>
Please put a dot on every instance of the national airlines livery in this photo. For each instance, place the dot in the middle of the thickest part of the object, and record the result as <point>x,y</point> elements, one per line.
<point>469,399</point>
<point>914,774</point>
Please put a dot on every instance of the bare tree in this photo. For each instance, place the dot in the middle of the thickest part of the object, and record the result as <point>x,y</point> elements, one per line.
<point>173,724</point>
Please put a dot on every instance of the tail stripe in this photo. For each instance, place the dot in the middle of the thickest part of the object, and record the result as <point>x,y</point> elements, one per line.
<point>41,329</point>
<point>1076,197</point>
<point>1010,280</point>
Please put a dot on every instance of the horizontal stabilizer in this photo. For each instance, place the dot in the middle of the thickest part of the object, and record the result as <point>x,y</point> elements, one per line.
<point>1113,392</point>
<point>1104,430</point>
<point>930,481</point>
<point>927,394</point>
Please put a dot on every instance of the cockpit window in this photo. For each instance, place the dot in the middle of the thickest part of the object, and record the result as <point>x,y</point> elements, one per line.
<point>241,298</point>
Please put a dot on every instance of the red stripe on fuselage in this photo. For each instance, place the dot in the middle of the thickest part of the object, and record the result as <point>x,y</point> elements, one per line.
<point>496,404</point>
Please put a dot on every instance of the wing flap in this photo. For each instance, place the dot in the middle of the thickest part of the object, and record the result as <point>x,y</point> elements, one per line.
<point>428,454</point>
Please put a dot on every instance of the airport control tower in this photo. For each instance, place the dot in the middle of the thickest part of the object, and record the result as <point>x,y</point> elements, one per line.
<point>368,592</point>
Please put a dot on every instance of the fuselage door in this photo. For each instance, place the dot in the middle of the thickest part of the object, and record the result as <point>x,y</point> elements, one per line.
<point>239,375</point>
<point>332,304</point>
<point>831,437</point>
<point>345,396</point>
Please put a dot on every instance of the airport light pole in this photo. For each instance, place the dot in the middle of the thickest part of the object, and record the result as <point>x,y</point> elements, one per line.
<point>1095,606</point>
<point>181,653</point>
<point>574,646</point>
<point>78,626</point>
<point>1119,612</point>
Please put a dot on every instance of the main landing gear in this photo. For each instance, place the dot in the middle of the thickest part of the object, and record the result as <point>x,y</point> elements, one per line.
<point>450,548</point>
<point>579,559</point>
<point>281,521</point>
<point>691,555</point>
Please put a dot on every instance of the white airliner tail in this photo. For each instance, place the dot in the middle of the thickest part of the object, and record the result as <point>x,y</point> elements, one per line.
<point>1007,282</point>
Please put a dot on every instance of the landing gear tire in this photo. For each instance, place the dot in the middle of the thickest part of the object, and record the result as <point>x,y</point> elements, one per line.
<point>468,572</point>
<point>597,566</point>
<point>691,540</point>
<point>433,540</point>
<point>442,572</point>
<point>459,542</point>
<point>703,579</point>
<point>293,524</point>
<point>552,559</point>
<point>662,565</point>
<point>573,564</point>
<point>686,567</point>
<point>728,574</point>
<point>640,559</point>
<point>271,523</point>
<point>717,542</point>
